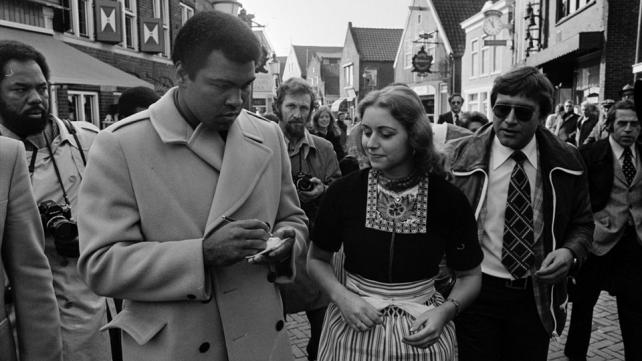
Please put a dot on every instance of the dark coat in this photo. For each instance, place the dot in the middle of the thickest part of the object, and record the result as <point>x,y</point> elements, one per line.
<point>567,129</point>
<point>568,221</point>
<point>448,118</point>
<point>598,158</point>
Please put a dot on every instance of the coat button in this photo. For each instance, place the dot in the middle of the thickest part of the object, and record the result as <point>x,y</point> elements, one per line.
<point>271,277</point>
<point>204,347</point>
<point>191,297</point>
<point>279,325</point>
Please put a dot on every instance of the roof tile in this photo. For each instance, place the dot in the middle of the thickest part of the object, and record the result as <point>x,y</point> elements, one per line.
<point>374,44</point>
<point>453,12</point>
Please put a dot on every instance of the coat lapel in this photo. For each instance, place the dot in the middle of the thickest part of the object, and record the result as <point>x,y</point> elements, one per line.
<point>242,165</point>
<point>174,129</point>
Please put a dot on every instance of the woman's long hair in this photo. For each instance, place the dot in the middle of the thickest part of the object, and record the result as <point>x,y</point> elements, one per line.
<point>405,106</point>
<point>332,127</point>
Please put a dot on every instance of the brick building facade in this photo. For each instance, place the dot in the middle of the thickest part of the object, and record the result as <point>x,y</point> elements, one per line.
<point>58,27</point>
<point>585,47</point>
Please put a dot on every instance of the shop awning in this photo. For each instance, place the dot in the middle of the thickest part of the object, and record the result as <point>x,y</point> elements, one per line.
<point>579,44</point>
<point>336,105</point>
<point>69,65</point>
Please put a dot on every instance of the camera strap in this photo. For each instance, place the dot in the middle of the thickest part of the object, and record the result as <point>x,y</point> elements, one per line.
<point>73,132</point>
<point>307,161</point>
<point>55,164</point>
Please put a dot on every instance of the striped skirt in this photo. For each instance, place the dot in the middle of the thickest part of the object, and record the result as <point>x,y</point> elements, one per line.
<point>384,342</point>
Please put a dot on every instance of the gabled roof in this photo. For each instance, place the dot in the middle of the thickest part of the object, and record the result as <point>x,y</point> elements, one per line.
<point>305,53</point>
<point>453,12</point>
<point>375,44</point>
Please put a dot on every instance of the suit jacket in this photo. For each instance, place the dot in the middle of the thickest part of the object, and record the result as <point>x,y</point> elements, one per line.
<point>609,212</point>
<point>23,258</point>
<point>448,118</point>
<point>584,128</point>
<point>153,190</point>
<point>567,127</point>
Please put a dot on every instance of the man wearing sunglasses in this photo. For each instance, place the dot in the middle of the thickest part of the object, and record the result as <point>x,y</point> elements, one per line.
<point>456,101</point>
<point>530,195</point>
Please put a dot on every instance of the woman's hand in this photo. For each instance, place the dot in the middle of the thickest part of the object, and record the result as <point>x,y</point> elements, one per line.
<point>357,313</point>
<point>428,326</point>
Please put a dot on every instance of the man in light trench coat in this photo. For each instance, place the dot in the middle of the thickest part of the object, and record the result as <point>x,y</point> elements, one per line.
<point>174,200</point>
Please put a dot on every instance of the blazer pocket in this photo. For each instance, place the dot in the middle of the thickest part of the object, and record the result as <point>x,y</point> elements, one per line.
<point>140,328</point>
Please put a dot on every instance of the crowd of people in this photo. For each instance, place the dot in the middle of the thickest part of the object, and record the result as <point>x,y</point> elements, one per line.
<point>190,228</point>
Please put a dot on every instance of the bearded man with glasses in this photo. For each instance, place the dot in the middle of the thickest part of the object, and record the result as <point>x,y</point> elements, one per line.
<point>530,195</point>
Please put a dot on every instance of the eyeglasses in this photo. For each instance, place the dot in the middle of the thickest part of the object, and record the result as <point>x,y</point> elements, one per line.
<point>523,113</point>
<point>456,102</point>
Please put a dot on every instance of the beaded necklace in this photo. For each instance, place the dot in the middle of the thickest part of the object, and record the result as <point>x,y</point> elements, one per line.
<point>399,184</point>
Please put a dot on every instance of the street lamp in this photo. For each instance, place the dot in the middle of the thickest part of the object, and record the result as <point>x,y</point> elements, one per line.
<point>226,6</point>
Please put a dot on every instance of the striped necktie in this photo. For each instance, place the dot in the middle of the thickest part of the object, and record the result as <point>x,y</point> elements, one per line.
<point>517,251</point>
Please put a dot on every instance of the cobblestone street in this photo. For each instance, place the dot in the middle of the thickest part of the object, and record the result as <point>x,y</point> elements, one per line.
<point>606,340</point>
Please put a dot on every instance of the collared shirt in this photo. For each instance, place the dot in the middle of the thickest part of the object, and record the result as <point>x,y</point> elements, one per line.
<point>303,144</point>
<point>618,151</point>
<point>500,168</point>
<point>316,161</point>
<point>46,185</point>
<point>456,118</point>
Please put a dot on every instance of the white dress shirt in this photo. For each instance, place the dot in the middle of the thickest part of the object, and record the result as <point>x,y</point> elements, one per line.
<point>618,152</point>
<point>500,168</point>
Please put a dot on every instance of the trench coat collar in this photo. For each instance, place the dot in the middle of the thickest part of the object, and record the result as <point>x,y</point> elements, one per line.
<point>240,159</point>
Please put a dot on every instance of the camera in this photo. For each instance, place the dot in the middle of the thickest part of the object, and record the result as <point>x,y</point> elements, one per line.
<point>302,182</point>
<point>56,219</point>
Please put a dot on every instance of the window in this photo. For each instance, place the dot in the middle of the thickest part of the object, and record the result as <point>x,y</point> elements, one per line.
<point>473,102</point>
<point>130,31</point>
<point>495,67</point>
<point>259,105</point>
<point>483,103</point>
<point>474,58</point>
<point>418,18</point>
<point>161,10</point>
<point>83,106</point>
<point>485,60</point>
<point>569,7</point>
<point>81,18</point>
<point>477,102</point>
<point>348,72</point>
<point>408,54</point>
<point>186,13</point>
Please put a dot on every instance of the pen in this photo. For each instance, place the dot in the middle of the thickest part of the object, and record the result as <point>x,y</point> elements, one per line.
<point>230,220</point>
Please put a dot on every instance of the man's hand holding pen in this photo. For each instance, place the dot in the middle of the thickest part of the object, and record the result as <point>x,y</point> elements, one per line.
<point>236,240</point>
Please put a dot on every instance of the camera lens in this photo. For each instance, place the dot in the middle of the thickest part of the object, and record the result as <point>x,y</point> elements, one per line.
<point>63,229</point>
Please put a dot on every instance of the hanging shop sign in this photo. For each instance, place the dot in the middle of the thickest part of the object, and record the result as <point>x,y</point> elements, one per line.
<point>422,61</point>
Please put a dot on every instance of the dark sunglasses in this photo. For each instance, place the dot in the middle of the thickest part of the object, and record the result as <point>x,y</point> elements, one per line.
<point>522,113</point>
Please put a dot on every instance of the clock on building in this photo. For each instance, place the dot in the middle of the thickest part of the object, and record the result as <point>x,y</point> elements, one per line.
<point>493,23</point>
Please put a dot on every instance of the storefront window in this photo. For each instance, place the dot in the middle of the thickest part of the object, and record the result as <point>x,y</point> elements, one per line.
<point>83,106</point>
